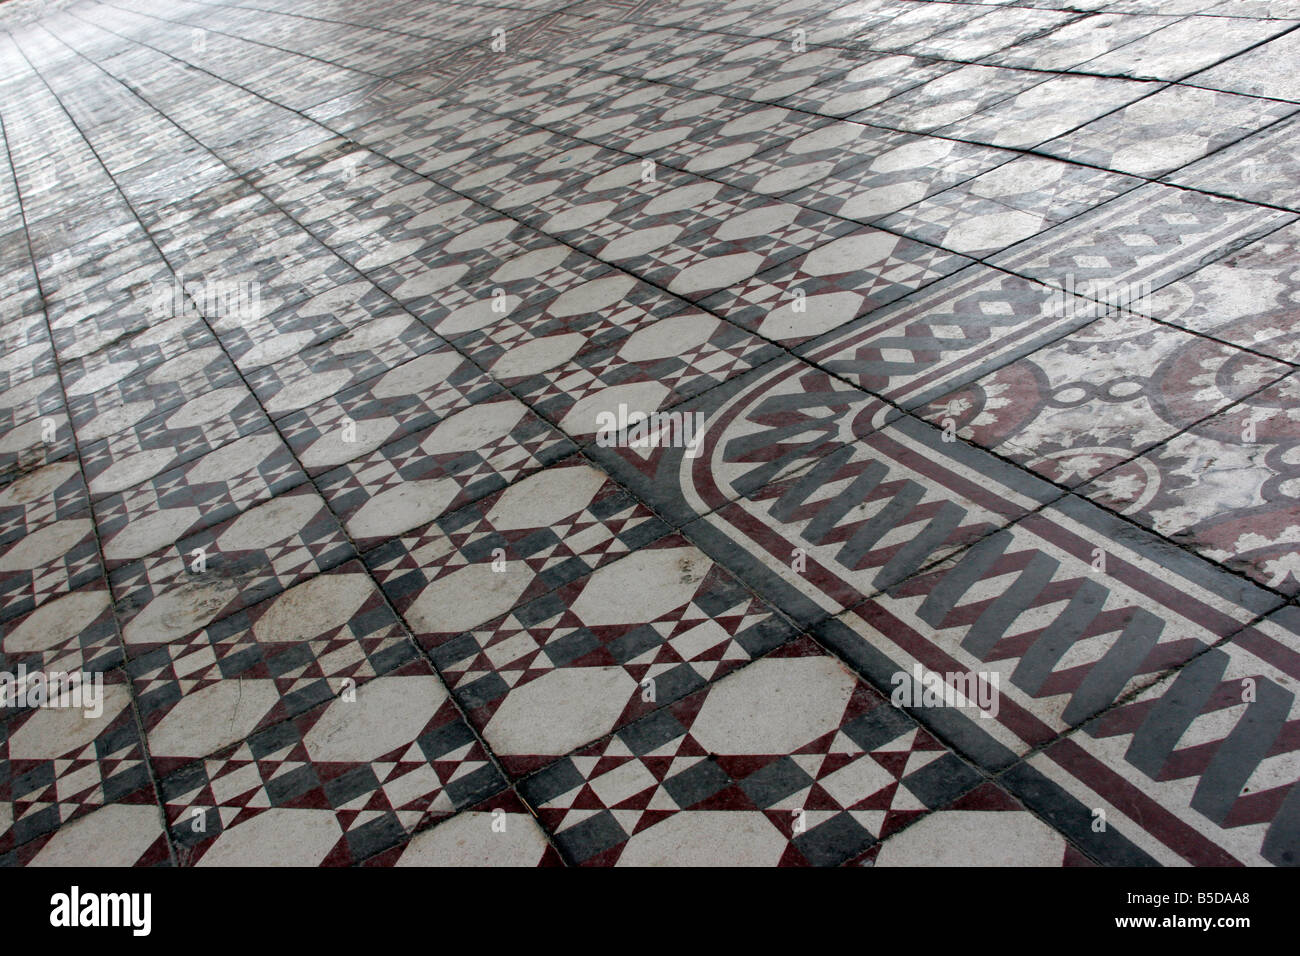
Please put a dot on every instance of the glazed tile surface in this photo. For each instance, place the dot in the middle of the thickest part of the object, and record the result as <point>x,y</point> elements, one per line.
<point>670,432</point>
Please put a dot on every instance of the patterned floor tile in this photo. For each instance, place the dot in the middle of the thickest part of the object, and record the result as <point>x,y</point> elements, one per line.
<point>1007,204</point>
<point>1197,769</point>
<point>544,531</point>
<point>469,270</point>
<point>987,34</point>
<point>414,479</point>
<point>44,495</point>
<point>127,443</point>
<point>503,833</point>
<point>985,827</point>
<point>916,168</point>
<point>514,337</point>
<point>636,207</point>
<point>1260,168</point>
<point>1148,237</point>
<point>790,414</point>
<point>1076,408</point>
<point>62,763</point>
<point>866,515</point>
<point>118,834</point>
<point>952,332</point>
<point>1244,299</point>
<point>758,239</point>
<point>1055,618</point>
<point>811,158</point>
<point>948,98</point>
<point>1173,127</point>
<point>1185,46</point>
<point>223,569</point>
<point>57,558</point>
<point>322,639</point>
<point>36,442</point>
<point>447,428</point>
<point>650,370</point>
<point>366,349</point>
<point>868,84</point>
<point>800,300</point>
<point>331,786</point>
<point>1078,41</point>
<point>199,494</point>
<point>635,634</point>
<point>715,779</point>
<point>1224,488</point>
<point>357,420</point>
<point>158,390</point>
<point>1047,110</point>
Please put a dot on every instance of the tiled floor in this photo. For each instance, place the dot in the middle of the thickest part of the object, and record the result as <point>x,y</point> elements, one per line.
<point>980,325</point>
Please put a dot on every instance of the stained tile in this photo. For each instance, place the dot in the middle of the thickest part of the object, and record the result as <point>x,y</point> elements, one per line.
<point>1222,488</point>
<point>64,763</point>
<point>332,786</point>
<point>1196,769</point>
<point>1060,632</point>
<point>1186,46</point>
<point>1151,235</point>
<point>1167,130</point>
<point>1007,204</point>
<point>1047,110</point>
<point>445,453</point>
<point>1260,167</point>
<point>800,300</point>
<point>1244,299</point>
<point>714,780</point>
<point>215,572</point>
<point>1075,409</point>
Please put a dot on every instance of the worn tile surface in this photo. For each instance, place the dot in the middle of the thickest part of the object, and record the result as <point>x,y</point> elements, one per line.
<point>775,433</point>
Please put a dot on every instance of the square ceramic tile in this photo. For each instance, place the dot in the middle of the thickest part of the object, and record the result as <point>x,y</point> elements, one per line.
<point>971,322</point>
<point>1168,130</point>
<point>1244,299</point>
<point>1182,489</point>
<point>916,167</point>
<point>741,246</point>
<point>1074,409</point>
<point>1007,204</point>
<point>127,443</point>
<point>63,763</point>
<point>331,786</point>
<point>1054,634</point>
<point>1198,769</point>
<point>949,97</point>
<point>801,299</point>
<point>353,421</point>
<point>541,532</point>
<point>1145,238</point>
<point>175,504</point>
<point>573,665</point>
<point>223,569</point>
<point>650,370</point>
<point>1078,41</point>
<point>418,477</point>
<point>711,780</point>
<point>1186,46</point>
<point>1261,168</point>
<point>1047,110</point>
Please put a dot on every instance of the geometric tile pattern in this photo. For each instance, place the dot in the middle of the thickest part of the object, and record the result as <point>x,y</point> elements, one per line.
<point>950,510</point>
